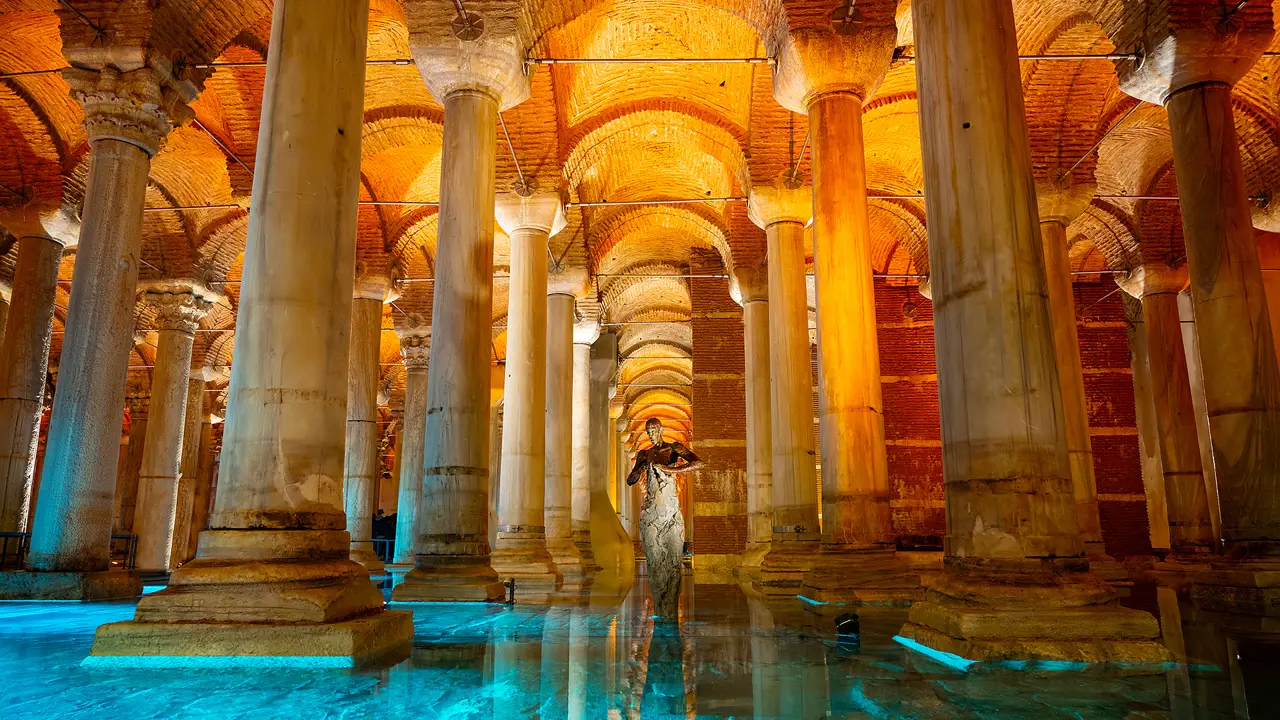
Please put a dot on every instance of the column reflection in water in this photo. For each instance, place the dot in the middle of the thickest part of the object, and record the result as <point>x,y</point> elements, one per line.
<point>517,662</point>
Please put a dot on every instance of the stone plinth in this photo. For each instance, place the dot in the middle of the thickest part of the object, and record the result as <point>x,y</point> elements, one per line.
<point>84,586</point>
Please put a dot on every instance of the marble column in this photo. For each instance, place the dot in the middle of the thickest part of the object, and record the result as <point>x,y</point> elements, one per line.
<point>415,351</point>
<point>360,474</point>
<point>753,291</point>
<point>188,471</point>
<point>178,314</point>
<point>126,496</point>
<point>1190,70</point>
<point>610,544</point>
<point>1016,584</point>
<point>558,443</point>
<point>127,116</point>
<point>473,81</point>
<point>1059,205</point>
<point>858,561</point>
<point>1195,373</point>
<point>272,577</point>
<point>1148,433</point>
<point>1190,530</point>
<point>783,210</point>
<point>24,362</point>
<point>202,487</point>
<point>584,334</point>
<point>530,220</point>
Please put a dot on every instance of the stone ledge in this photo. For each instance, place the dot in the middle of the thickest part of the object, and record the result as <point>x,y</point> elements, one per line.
<point>344,644</point>
<point>84,586</point>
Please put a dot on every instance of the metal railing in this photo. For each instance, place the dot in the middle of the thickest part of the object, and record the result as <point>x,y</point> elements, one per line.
<point>14,547</point>
<point>384,548</point>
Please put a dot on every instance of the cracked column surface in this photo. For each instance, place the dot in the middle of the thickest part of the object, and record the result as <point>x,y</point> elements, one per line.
<point>473,80</point>
<point>782,210</point>
<point>753,294</point>
<point>360,472</point>
<point>177,316</point>
<point>521,550</point>
<point>415,349</point>
<point>1016,583</point>
<point>558,448</point>
<point>272,575</point>
<point>127,116</point>
<point>24,353</point>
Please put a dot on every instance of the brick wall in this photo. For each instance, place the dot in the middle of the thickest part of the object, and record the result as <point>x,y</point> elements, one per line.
<point>719,412</point>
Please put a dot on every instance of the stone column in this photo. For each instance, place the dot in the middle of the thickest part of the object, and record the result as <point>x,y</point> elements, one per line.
<point>1148,433</point>
<point>177,316</point>
<point>609,542</point>
<point>1190,530</point>
<point>529,219</point>
<point>1060,204</point>
<point>6,295</point>
<point>24,363</point>
<point>1195,373</point>
<point>1190,67</point>
<point>782,210</point>
<point>415,350</point>
<point>126,497</point>
<point>272,577</point>
<point>360,475</point>
<point>1016,583</point>
<point>753,289</point>
<point>584,334</point>
<point>473,80</point>
<point>202,487</point>
<point>559,435</point>
<point>188,471</point>
<point>127,116</point>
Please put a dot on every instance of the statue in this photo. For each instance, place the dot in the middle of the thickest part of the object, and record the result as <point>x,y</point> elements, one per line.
<point>661,526</point>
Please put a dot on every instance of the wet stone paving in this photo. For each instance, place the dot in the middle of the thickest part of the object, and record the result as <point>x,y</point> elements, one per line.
<point>605,657</point>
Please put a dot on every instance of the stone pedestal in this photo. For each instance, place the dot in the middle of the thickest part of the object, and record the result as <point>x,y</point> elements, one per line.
<point>1016,584</point>
<point>127,116</point>
<point>473,81</point>
<point>177,316</point>
<point>360,474</point>
<point>272,576</point>
<point>24,360</point>
<point>782,211</point>
<point>558,438</point>
<point>521,551</point>
<point>415,345</point>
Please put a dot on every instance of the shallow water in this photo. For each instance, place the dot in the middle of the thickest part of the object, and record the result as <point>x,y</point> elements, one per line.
<point>730,657</point>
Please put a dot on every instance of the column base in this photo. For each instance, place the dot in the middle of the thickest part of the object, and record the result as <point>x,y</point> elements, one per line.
<point>783,568</point>
<point>858,576</point>
<point>569,561</point>
<point>1178,569</point>
<point>344,643</point>
<point>992,611</point>
<point>261,594</point>
<point>362,552</point>
<point>527,561</point>
<point>1105,566</point>
<point>1241,588</point>
<point>582,541</point>
<point>84,586</point>
<point>450,578</point>
<point>749,563</point>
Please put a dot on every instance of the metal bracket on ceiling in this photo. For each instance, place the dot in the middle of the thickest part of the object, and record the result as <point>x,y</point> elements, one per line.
<point>847,19</point>
<point>467,26</point>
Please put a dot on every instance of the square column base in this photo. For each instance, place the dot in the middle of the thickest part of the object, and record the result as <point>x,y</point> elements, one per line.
<point>1242,588</point>
<point>861,576</point>
<point>362,552</point>
<point>450,578</point>
<point>338,644</point>
<point>84,586</point>
<point>783,569</point>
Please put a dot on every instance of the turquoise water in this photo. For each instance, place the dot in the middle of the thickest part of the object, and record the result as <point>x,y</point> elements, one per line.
<point>730,657</point>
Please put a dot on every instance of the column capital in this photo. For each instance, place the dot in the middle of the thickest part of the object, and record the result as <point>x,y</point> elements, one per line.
<point>1266,212</point>
<point>537,211</point>
<point>139,106</point>
<point>54,223</point>
<point>1153,279</point>
<point>1063,201</point>
<point>138,406</point>
<point>483,52</point>
<point>783,201</point>
<point>415,347</point>
<point>1185,43</point>
<point>586,332</point>
<point>838,56</point>
<point>373,285</point>
<point>181,311</point>
<point>568,281</point>
<point>749,283</point>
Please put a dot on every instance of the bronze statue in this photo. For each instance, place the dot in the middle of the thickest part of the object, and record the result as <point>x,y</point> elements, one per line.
<point>661,525</point>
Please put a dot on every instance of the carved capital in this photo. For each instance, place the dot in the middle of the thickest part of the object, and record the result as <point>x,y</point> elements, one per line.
<point>415,348</point>
<point>485,53</point>
<point>749,283</point>
<point>137,107</point>
<point>783,201</point>
<point>836,56</point>
<point>138,406</point>
<point>1153,279</point>
<point>1063,201</point>
<point>541,211</point>
<point>178,311</point>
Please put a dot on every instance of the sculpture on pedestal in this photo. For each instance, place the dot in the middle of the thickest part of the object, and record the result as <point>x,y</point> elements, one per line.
<point>661,524</point>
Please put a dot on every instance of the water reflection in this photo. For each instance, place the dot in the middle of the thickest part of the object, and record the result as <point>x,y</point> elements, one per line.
<point>730,655</point>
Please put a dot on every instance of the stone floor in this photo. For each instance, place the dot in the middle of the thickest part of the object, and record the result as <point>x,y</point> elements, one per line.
<point>733,657</point>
